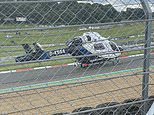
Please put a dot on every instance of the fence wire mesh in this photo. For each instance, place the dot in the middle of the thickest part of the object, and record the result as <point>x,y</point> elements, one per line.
<point>76,57</point>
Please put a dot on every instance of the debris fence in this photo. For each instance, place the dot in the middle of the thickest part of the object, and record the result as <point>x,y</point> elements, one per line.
<point>60,84</point>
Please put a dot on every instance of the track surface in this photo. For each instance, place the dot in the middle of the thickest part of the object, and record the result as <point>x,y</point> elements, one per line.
<point>8,80</point>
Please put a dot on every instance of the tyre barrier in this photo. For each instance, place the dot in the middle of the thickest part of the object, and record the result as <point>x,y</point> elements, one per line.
<point>83,109</point>
<point>109,111</point>
<point>131,109</point>
<point>126,109</point>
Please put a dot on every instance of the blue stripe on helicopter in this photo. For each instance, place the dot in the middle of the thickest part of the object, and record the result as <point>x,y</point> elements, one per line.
<point>84,51</point>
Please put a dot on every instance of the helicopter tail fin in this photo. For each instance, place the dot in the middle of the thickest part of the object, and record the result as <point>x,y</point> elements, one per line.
<point>27,48</point>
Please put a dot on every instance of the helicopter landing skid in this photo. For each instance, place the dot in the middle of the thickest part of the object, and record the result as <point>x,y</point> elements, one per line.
<point>114,61</point>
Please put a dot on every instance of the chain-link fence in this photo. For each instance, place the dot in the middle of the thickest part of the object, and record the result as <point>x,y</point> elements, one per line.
<point>76,57</point>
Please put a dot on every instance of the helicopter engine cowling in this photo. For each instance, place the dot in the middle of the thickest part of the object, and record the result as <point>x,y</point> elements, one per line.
<point>75,48</point>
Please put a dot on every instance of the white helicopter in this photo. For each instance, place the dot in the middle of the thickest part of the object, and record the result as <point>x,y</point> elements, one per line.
<point>87,49</point>
<point>94,48</point>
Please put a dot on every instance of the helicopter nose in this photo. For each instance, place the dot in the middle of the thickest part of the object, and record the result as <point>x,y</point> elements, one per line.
<point>124,53</point>
<point>120,48</point>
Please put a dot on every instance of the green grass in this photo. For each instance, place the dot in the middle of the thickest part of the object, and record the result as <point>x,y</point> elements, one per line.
<point>20,51</point>
<point>55,62</point>
<point>15,26</point>
<point>40,64</point>
<point>59,35</point>
<point>63,34</point>
<point>55,36</point>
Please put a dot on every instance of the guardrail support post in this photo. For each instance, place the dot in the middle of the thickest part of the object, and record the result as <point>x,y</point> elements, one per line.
<point>146,64</point>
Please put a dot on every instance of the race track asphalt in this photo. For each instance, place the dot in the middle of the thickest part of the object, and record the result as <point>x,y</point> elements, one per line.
<point>15,79</point>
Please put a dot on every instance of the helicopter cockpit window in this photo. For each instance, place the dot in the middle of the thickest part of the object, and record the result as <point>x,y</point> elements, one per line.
<point>88,38</point>
<point>99,46</point>
<point>113,46</point>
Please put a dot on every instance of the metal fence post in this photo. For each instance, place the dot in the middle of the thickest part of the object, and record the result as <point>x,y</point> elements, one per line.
<point>146,64</point>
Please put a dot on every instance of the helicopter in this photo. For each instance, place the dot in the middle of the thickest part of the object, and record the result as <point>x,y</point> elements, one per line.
<point>87,49</point>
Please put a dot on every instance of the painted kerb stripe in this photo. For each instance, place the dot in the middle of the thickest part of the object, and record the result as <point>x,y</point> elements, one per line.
<point>62,82</point>
<point>63,65</point>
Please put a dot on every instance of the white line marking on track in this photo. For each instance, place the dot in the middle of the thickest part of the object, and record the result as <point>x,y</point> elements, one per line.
<point>39,68</point>
<point>70,64</point>
<point>5,72</point>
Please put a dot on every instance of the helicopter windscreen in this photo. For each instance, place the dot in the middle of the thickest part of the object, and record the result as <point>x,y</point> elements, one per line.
<point>99,46</point>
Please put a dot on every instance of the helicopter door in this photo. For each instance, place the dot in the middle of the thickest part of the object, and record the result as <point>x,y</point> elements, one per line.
<point>114,46</point>
<point>100,48</point>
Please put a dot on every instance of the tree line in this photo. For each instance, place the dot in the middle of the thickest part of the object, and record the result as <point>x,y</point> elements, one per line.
<point>66,13</point>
